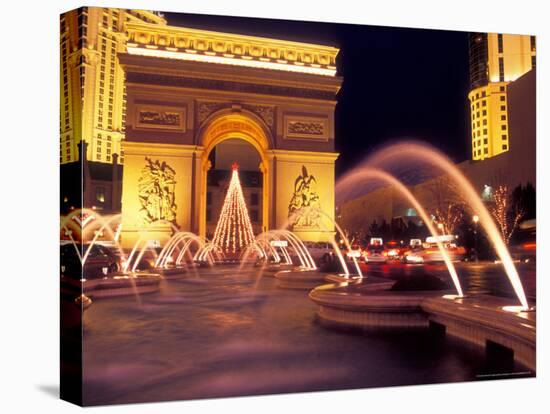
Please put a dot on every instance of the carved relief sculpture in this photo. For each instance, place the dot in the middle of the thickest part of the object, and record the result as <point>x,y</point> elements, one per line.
<point>263,111</point>
<point>156,188</point>
<point>303,209</point>
<point>306,128</point>
<point>205,109</point>
<point>159,118</point>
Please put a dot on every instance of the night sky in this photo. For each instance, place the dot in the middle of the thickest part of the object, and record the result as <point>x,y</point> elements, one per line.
<point>398,83</point>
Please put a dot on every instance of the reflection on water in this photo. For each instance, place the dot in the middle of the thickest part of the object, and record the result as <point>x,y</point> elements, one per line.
<point>220,337</point>
<point>476,278</point>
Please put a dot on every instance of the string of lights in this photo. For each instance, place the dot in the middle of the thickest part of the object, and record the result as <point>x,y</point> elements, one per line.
<point>234,229</point>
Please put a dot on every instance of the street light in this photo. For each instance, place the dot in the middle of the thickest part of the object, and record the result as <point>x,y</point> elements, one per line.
<point>476,220</point>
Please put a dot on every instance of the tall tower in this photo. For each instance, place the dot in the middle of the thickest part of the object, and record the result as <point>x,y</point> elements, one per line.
<point>495,61</point>
<point>93,93</point>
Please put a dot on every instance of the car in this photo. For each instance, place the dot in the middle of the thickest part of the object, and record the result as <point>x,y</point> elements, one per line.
<point>430,252</point>
<point>101,260</point>
<point>318,249</point>
<point>354,252</point>
<point>524,245</point>
<point>375,252</point>
<point>394,250</point>
<point>413,254</point>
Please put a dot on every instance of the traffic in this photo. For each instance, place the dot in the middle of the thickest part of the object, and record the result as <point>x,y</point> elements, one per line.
<point>415,251</point>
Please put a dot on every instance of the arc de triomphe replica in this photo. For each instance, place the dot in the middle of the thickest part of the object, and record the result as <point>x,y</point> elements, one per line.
<point>188,90</point>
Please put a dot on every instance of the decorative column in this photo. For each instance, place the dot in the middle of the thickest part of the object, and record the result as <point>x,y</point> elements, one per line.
<point>264,169</point>
<point>206,166</point>
<point>115,189</point>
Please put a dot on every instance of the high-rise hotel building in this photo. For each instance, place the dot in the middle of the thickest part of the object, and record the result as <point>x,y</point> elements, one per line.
<point>495,61</point>
<point>93,102</point>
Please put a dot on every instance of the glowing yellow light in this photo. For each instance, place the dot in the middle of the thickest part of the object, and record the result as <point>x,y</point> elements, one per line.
<point>234,230</point>
<point>517,309</point>
<point>191,55</point>
<point>453,297</point>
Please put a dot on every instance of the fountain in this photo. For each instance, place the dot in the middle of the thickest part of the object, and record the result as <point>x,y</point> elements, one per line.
<point>166,264</point>
<point>281,239</point>
<point>356,177</point>
<point>347,299</point>
<point>412,150</point>
<point>418,303</point>
<point>234,242</point>
<point>109,283</point>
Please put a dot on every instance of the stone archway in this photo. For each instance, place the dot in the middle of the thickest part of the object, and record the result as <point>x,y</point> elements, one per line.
<point>225,125</point>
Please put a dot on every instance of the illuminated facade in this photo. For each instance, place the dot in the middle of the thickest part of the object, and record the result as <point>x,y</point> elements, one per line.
<point>496,60</point>
<point>93,103</point>
<point>189,90</point>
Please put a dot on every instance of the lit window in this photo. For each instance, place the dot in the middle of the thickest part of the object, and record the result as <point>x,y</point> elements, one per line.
<point>100,194</point>
<point>504,146</point>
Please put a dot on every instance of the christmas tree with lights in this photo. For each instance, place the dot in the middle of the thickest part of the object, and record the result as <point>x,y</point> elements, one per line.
<point>234,230</point>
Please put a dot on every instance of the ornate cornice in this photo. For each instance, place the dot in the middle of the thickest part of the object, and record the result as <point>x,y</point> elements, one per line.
<point>225,48</point>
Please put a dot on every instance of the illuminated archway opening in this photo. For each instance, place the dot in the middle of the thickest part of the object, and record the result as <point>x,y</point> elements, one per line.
<point>224,136</point>
<point>222,157</point>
